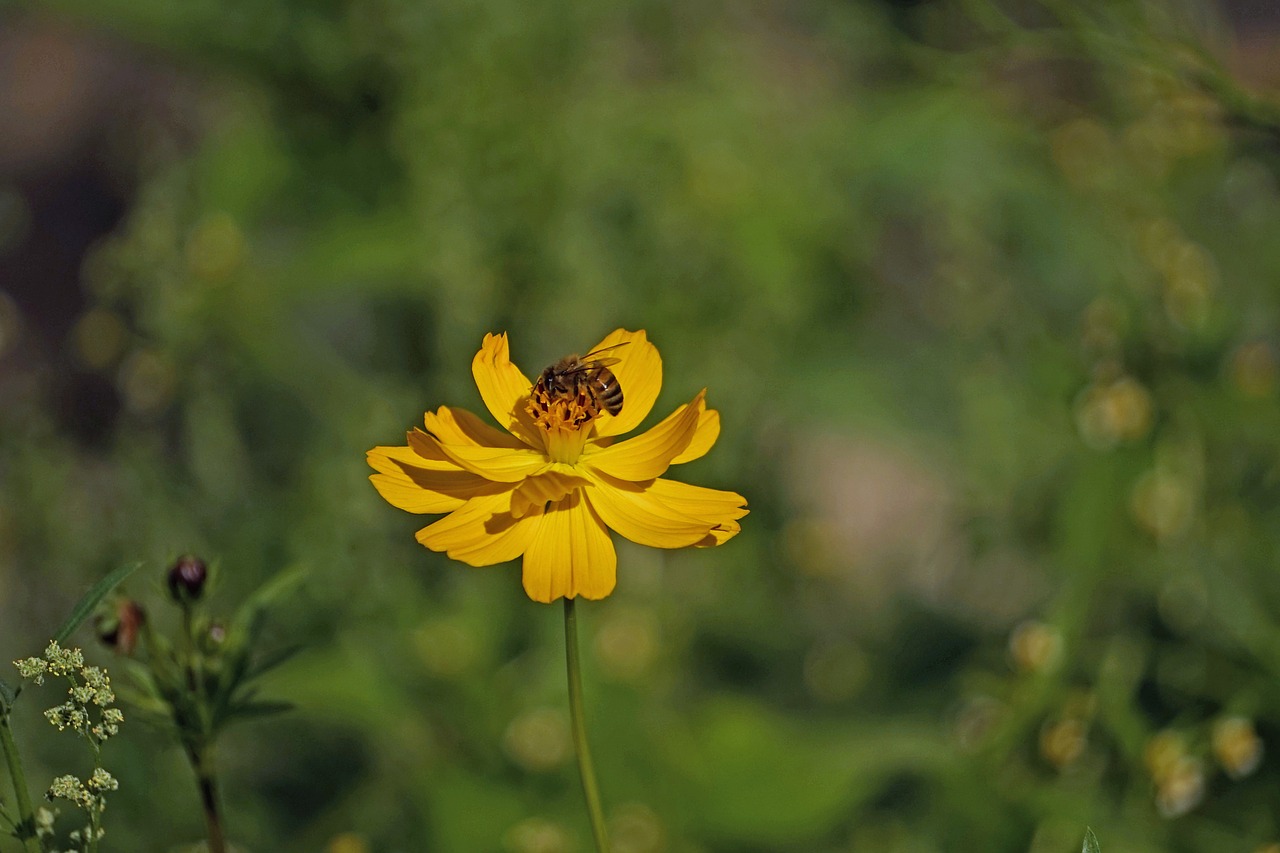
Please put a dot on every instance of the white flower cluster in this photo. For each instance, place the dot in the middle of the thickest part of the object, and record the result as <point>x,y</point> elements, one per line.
<point>90,688</point>
<point>89,711</point>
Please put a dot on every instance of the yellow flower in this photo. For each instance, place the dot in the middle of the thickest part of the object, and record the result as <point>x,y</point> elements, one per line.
<point>552,486</point>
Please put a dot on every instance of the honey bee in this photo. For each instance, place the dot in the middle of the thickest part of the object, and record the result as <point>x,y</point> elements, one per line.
<point>586,377</point>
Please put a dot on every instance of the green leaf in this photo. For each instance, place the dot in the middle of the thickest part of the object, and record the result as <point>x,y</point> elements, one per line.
<point>257,709</point>
<point>85,605</point>
<point>1090,842</point>
<point>270,661</point>
<point>145,704</point>
<point>266,596</point>
<point>7,695</point>
<point>244,632</point>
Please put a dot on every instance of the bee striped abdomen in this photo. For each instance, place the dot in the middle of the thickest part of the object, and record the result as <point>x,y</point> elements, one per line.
<point>610,391</point>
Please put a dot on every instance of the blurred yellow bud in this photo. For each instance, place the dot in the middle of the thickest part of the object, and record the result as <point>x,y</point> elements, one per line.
<point>537,835</point>
<point>636,828</point>
<point>1062,741</point>
<point>1236,746</point>
<point>1035,646</point>
<point>1162,753</point>
<point>1162,502</point>
<point>347,842</point>
<point>1179,123</point>
<point>1109,413</point>
<point>627,643</point>
<point>1191,277</point>
<point>446,648</point>
<point>1253,369</point>
<point>538,740</point>
<point>1181,788</point>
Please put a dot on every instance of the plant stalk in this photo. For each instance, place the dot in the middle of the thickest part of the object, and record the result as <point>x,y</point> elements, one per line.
<point>206,779</point>
<point>22,797</point>
<point>590,789</point>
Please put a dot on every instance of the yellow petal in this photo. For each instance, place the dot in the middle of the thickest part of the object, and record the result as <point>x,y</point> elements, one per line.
<point>644,524</point>
<point>649,454</point>
<point>500,464</point>
<point>417,453</point>
<point>458,426</point>
<point>639,374</point>
<point>719,534</point>
<point>712,505</point>
<point>482,532</point>
<point>663,513</point>
<point>570,555</point>
<point>411,483</point>
<point>504,389</point>
<point>425,446</point>
<point>708,430</point>
<point>545,488</point>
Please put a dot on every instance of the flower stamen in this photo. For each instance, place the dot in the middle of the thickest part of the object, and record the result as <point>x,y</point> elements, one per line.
<point>552,410</point>
<point>564,417</point>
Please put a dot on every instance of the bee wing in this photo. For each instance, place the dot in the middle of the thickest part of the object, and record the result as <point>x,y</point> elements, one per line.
<point>605,362</point>
<point>591,365</point>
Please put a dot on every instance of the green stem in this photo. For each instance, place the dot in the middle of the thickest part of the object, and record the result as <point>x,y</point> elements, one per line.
<point>194,665</point>
<point>26,814</point>
<point>199,747</point>
<point>206,779</point>
<point>589,787</point>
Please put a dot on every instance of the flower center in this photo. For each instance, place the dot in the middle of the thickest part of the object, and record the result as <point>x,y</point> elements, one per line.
<point>565,412</point>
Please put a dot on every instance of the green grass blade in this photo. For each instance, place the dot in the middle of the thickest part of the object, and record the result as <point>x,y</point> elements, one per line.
<point>1091,842</point>
<point>85,605</point>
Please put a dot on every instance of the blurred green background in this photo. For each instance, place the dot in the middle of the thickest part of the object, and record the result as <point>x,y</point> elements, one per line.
<point>987,295</point>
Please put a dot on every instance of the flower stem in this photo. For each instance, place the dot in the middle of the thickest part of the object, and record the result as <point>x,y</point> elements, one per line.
<point>200,750</point>
<point>202,764</point>
<point>589,787</point>
<point>26,814</point>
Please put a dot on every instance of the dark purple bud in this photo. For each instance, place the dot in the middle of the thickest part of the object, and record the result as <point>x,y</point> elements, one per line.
<point>187,578</point>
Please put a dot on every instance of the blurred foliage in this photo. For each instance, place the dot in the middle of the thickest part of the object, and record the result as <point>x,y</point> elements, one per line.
<point>985,293</point>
